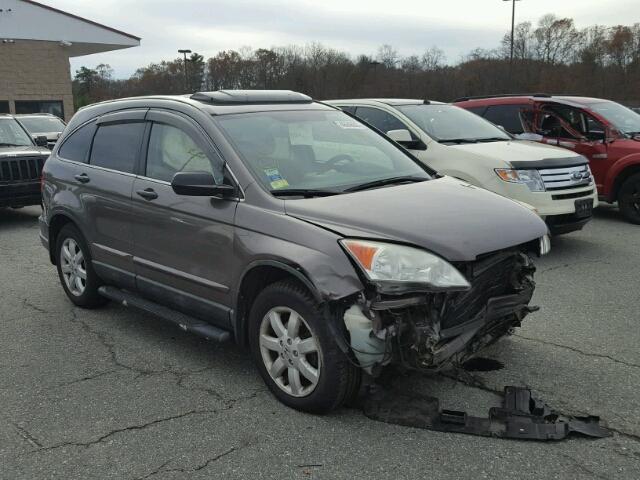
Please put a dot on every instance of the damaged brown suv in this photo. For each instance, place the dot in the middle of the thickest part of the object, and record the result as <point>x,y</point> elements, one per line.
<point>289,226</point>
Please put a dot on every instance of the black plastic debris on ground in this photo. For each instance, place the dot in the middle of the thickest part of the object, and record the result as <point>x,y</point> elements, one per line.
<point>480,364</point>
<point>521,416</point>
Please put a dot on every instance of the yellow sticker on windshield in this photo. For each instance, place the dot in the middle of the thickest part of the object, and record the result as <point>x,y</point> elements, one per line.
<point>282,183</point>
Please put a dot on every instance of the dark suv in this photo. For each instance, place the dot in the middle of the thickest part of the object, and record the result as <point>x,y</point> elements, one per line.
<point>290,227</point>
<point>21,162</point>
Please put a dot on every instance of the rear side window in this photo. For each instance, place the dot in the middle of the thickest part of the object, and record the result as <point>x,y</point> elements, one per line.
<point>507,116</point>
<point>76,146</point>
<point>116,146</point>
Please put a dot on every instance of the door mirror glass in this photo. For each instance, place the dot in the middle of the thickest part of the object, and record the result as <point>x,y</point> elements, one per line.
<point>41,141</point>
<point>199,184</point>
<point>400,136</point>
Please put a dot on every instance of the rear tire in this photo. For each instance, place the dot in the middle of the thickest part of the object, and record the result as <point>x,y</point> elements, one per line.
<point>77,276</point>
<point>295,351</point>
<point>629,199</point>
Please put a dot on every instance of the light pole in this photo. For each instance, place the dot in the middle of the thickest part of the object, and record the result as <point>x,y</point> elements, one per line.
<point>186,77</point>
<point>513,27</point>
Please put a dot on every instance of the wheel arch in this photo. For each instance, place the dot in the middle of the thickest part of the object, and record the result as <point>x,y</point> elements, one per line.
<point>56,223</point>
<point>621,176</point>
<point>254,279</point>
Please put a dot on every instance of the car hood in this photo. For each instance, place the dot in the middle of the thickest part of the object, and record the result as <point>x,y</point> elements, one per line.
<point>25,151</point>
<point>446,216</point>
<point>516,151</point>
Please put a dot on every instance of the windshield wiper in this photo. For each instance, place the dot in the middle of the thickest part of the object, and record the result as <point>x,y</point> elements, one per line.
<point>303,192</point>
<point>459,140</point>
<point>383,182</point>
<point>4,144</point>
<point>492,139</point>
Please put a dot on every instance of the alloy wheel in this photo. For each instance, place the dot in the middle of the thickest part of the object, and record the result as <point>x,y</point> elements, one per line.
<point>290,351</point>
<point>73,267</point>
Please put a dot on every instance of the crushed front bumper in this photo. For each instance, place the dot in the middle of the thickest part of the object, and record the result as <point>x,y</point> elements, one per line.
<point>429,330</point>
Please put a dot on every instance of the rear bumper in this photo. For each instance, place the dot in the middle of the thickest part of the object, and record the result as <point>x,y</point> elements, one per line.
<point>20,194</point>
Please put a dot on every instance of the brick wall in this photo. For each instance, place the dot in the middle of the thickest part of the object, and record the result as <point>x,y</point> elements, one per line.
<point>35,70</point>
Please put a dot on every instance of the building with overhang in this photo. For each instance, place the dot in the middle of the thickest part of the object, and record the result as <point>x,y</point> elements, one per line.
<point>36,42</point>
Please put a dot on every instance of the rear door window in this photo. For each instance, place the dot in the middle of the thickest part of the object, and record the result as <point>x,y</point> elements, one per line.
<point>116,146</point>
<point>506,116</point>
<point>76,146</point>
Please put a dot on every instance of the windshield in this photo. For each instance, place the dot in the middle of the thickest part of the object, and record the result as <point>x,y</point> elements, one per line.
<point>622,118</point>
<point>12,134</point>
<point>315,150</point>
<point>42,124</point>
<point>448,123</point>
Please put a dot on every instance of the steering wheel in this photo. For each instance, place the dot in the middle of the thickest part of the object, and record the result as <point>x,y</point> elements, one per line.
<point>334,162</point>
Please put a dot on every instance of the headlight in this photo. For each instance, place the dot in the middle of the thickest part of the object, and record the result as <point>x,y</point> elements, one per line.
<point>398,263</point>
<point>530,178</point>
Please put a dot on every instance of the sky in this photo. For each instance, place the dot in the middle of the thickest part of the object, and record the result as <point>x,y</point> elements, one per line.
<point>354,26</point>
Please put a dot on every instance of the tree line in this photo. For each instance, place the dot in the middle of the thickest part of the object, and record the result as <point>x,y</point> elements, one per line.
<point>551,56</point>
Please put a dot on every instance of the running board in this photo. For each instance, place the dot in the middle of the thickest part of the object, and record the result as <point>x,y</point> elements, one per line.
<point>185,322</point>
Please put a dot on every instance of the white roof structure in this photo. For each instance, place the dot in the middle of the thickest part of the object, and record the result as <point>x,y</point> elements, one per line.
<point>29,20</point>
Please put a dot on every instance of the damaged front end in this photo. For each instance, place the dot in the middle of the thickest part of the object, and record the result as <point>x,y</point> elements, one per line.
<point>428,328</point>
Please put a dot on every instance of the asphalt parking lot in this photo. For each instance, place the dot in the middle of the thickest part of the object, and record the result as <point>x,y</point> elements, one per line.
<point>112,393</point>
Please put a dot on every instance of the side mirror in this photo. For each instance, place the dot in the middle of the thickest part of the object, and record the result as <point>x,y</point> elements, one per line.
<point>400,136</point>
<point>403,137</point>
<point>41,141</point>
<point>199,184</point>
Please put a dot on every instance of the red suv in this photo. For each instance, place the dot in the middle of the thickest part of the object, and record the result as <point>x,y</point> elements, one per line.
<point>605,132</point>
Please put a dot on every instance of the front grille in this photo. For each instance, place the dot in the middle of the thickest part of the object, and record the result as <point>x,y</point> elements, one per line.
<point>20,169</point>
<point>490,276</point>
<point>565,178</point>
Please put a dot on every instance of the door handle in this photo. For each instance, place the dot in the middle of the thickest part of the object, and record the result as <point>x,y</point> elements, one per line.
<point>148,194</point>
<point>82,178</point>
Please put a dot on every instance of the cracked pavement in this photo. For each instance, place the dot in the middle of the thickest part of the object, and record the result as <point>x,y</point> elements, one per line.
<point>113,393</point>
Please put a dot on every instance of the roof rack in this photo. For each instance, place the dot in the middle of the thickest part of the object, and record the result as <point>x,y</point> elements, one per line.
<point>479,97</point>
<point>251,97</point>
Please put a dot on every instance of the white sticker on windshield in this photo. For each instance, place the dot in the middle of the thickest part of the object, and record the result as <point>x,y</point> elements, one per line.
<point>300,134</point>
<point>349,124</point>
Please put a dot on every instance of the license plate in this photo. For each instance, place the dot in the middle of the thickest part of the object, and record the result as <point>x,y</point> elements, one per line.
<point>584,207</point>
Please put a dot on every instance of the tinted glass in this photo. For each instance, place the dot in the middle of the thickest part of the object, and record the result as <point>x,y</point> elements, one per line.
<point>42,124</point>
<point>507,116</point>
<point>476,110</point>
<point>12,134</point>
<point>449,123</point>
<point>380,119</point>
<point>76,147</point>
<point>172,150</point>
<point>314,150</point>
<point>348,108</point>
<point>4,106</point>
<point>116,146</point>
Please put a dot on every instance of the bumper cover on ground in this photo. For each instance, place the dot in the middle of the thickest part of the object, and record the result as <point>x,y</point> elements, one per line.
<point>521,417</point>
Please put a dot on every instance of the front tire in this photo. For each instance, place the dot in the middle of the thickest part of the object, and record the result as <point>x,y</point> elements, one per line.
<point>295,351</point>
<point>629,199</point>
<point>77,276</point>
